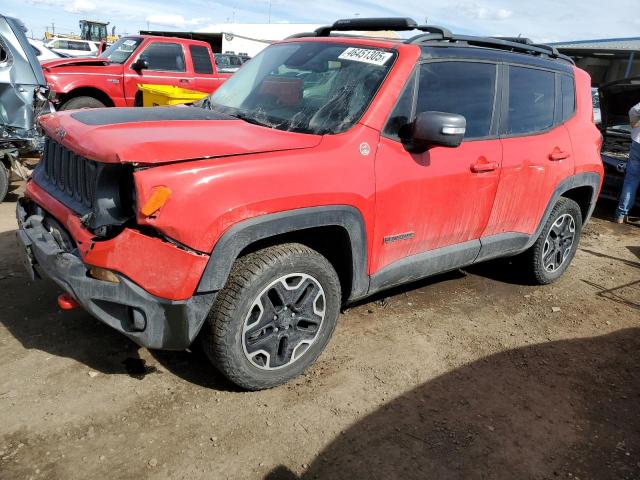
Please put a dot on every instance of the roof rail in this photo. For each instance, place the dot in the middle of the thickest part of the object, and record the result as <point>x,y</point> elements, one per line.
<point>520,45</point>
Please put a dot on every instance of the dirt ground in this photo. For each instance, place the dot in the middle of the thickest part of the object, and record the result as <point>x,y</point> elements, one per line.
<point>468,375</point>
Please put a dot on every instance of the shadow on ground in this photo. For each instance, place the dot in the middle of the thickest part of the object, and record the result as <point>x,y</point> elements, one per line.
<point>566,409</point>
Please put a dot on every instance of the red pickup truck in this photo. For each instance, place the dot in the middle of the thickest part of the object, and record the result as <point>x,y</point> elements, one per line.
<point>111,80</point>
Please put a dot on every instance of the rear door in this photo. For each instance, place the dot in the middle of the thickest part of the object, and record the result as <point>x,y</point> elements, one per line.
<point>206,78</point>
<point>444,196</point>
<point>167,66</point>
<point>537,151</point>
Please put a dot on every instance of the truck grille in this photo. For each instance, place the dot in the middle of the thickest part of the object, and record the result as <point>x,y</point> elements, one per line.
<point>68,177</point>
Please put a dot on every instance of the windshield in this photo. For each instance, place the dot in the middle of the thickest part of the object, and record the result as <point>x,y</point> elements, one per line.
<point>308,87</point>
<point>122,49</point>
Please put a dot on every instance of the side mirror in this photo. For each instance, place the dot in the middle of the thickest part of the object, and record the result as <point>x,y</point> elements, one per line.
<point>431,129</point>
<point>140,64</point>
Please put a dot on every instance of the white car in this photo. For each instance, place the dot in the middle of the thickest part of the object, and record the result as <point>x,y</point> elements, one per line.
<point>74,48</point>
<point>42,52</point>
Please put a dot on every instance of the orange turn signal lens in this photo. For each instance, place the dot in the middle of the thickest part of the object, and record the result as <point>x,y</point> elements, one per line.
<point>103,274</point>
<point>159,196</point>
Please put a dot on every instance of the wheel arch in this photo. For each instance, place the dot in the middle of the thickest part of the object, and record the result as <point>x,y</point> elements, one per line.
<point>336,231</point>
<point>583,188</point>
<point>87,92</point>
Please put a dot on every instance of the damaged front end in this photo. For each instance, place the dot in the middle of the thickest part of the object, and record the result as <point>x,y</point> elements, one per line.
<point>23,97</point>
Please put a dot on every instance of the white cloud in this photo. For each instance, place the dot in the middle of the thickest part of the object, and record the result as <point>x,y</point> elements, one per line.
<point>75,6</point>
<point>80,6</point>
<point>482,12</point>
<point>178,21</point>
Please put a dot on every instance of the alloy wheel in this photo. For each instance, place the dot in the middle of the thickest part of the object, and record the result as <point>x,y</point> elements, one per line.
<point>558,244</point>
<point>283,321</point>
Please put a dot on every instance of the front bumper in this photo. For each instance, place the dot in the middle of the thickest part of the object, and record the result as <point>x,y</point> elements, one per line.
<point>150,321</point>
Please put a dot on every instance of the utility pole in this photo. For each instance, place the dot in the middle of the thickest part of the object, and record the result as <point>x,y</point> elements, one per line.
<point>147,26</point>
<point>53,29</point>
<point>269,11</point>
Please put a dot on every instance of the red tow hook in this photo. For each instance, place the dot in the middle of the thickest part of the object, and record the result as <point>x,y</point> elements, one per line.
<point>67,302</point>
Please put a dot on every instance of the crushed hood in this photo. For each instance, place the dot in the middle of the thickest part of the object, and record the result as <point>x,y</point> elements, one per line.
<point>72,62</point>
<point>159,135</point>
<point>616,99</point>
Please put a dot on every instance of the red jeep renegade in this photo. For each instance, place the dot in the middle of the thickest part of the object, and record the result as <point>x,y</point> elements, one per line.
<point>328,168</point>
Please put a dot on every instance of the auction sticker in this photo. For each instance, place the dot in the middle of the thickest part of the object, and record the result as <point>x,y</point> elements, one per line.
<point>365,55</point>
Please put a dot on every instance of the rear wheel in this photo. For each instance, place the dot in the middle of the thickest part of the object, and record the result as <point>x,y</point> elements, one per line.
<point>274,316</point>
<point>550,256</point>
<point>5,176</point>
<point>82,102</point>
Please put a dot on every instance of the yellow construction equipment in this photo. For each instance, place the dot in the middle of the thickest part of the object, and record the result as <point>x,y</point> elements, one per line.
<point>160,95</point>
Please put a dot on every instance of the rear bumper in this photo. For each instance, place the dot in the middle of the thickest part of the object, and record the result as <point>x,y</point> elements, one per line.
<point>148,320</point>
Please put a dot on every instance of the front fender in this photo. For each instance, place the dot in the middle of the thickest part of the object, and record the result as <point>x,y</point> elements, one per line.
<point>245,233</point>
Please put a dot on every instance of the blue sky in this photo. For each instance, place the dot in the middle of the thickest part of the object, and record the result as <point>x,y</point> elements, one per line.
<point>542,20</point>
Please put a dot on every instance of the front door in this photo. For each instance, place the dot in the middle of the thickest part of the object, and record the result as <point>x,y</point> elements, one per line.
<point>444,196</point>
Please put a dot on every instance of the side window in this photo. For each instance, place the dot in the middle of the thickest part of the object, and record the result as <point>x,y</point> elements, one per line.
<point>465,88</point>
<point>531,100</point>
<point>164,57</point>
<point>568,97</point>
<point>201,59</point>
<point>402,113</point>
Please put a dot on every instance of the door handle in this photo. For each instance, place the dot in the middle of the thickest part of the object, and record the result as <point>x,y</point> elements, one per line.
<point>482,165</point>
<point>184,80</point>
<point>558,154</point>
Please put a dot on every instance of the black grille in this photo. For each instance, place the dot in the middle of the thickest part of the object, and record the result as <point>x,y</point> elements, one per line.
<point>67,176</point>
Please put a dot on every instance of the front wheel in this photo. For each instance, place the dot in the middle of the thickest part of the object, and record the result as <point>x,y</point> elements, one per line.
<point>274,316</point>
<point>78,103</point>
<point>550,256</point>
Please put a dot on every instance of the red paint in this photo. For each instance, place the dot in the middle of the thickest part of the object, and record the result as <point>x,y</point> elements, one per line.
<point>119,81</point>
<point>241,171</point>
<point>67,302</point>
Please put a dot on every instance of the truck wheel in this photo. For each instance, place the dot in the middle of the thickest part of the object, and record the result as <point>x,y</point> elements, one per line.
<point>274,316</point>
<point>549,257</point>
<point>82,102</point>
<point>5,176</point>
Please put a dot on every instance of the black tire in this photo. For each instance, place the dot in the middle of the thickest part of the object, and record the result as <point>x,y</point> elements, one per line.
<point>82,102</point>
<point>5,177</point>
<point>545,265</point>
<point>253,278</point>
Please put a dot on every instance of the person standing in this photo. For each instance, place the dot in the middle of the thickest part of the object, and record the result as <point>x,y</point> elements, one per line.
<point>632,173</point>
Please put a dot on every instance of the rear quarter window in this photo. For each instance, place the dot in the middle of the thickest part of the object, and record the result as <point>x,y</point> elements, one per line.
<point>531,102</point>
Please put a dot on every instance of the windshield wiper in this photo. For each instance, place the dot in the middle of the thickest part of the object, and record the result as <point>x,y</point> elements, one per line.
<point>250,119</point>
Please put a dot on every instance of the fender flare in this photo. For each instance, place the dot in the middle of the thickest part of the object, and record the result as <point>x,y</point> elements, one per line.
<point>586,179</point>
<point>249,231</point>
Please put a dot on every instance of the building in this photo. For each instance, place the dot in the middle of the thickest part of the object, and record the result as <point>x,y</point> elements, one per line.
<point>606,60</point>
<point>248,38</point>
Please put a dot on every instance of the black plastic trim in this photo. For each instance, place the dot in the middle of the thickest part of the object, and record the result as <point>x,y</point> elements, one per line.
<point>113,116</point>
<point>245,233</point>
<point>425,264</point>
